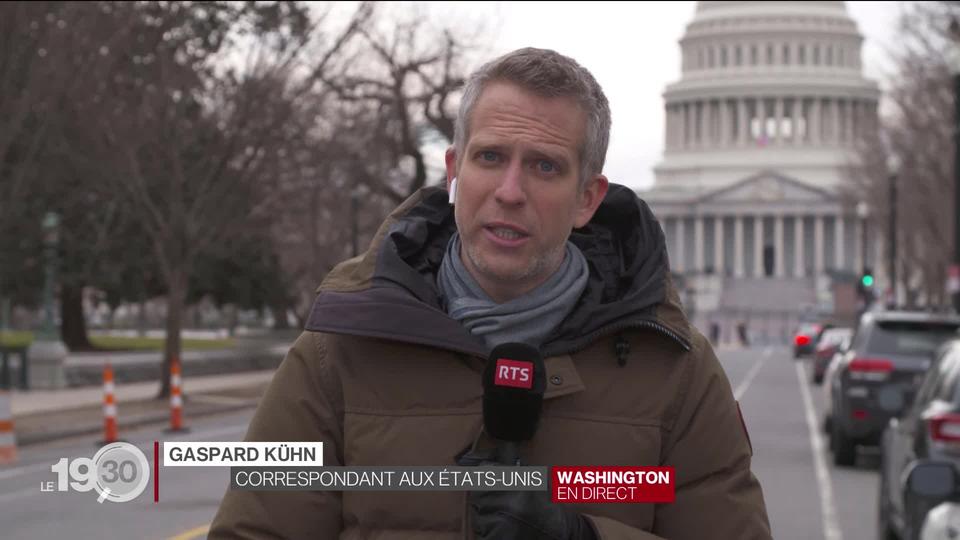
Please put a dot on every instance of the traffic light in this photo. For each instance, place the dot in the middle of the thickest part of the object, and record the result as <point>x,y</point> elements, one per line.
<point>865,287</point>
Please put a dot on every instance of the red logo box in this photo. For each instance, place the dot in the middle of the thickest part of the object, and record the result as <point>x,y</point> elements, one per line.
<point>592,485</point>
<point>514,373</point>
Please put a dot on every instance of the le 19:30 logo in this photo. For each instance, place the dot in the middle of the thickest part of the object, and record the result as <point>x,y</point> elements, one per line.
<point>119,472</point>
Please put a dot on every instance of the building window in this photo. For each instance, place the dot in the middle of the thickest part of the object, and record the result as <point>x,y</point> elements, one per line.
<point>786,54</point>
<point>699,58</point>
<point>816,55</point>
<point>829,60</point>
<point>723,56</point>
<point>710,57</point>
<point>753,55</point>
<point>840,57</point>
<point>738,56</point>
<point>802,54</point>
<point>769,55</point>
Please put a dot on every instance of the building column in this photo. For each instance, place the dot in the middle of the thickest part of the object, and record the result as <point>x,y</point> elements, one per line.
<point>667,127</point>
<point>838,251</point>
<point>835,125</point>
<point>680,263</point>
<point>778,115</point>
<point>818,247</point>
<point>704,133</point>
<point>850,116</point>
<point>738,246</point>
<point>698,244</point>
<point>758,245</point>
<point>685,119</point>
<point>742,122</point>
<point>780,246</point>
<point>718,246</point>
<point>815,121</point>
<point>762,115</point>
<point>724,123</point>
<point>798,266</point>
<point>795,122</point>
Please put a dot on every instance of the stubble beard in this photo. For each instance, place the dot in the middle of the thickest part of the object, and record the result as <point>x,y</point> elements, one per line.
<point>543,265</point>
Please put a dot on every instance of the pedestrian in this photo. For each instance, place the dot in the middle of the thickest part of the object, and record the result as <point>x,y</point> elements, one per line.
<point>529,243</point>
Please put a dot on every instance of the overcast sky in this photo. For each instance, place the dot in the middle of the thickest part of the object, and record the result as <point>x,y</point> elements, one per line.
<point>631,48</point>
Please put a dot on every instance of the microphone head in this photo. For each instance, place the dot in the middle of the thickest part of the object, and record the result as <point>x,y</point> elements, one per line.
<point>513,384</point>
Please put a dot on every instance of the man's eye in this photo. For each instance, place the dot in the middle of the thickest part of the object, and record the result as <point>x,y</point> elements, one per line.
<point>489,155</point>
<point>546,166</point>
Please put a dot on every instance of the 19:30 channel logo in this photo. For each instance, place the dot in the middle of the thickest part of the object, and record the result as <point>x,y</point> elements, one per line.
<point>119,472</point>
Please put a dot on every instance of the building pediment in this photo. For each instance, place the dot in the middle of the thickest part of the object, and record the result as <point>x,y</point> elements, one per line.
<point>768,187</point>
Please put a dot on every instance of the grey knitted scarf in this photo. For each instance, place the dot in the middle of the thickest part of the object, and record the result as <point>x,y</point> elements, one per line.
<point>528,318</point>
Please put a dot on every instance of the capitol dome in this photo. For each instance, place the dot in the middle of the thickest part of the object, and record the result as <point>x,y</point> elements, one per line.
<point>759,132</point>
<point>758,76</point>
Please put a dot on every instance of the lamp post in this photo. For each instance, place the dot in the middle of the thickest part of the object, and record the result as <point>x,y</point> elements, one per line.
<point>863,211</point>
<point>47,353</point>
<point>893,168</point>
<point>953,59</point>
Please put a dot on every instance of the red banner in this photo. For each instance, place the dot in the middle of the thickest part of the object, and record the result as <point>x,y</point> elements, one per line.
<point>591,485</point>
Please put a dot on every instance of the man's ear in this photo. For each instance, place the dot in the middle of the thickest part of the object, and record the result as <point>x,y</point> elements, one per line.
<point>589,199</point>
<point>451,162</point>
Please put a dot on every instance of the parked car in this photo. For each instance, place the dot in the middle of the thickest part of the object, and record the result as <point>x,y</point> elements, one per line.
<point>832,340</point>
<point>928,430</point>
<point>877,377</point>
<point>806,338</point>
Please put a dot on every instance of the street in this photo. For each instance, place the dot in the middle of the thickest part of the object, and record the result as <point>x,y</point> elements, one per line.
<point>807,497</point>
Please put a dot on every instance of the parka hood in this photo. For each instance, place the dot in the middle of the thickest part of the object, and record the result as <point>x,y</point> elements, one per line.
<point>390,291</point>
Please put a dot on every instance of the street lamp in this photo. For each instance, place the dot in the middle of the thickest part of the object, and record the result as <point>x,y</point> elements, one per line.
<point>863,212</point>
<point>51,239</point>
<point>47,353</point>
<point>953,61</point>
<point>893,168</point>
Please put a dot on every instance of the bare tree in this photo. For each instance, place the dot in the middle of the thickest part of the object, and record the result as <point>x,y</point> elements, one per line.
<point>194,139</point>
<point>919,131</point>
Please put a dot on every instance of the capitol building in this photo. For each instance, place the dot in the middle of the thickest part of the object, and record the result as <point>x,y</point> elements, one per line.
<point>758,136</point>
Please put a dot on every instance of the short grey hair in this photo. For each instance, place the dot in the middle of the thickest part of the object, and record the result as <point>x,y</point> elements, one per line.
<point>548,74</point>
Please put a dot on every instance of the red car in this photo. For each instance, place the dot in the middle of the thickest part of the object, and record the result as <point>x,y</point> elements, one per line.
<point>806,338</point>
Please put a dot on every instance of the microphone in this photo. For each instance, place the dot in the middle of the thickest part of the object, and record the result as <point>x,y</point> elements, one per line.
<point>514,380</point>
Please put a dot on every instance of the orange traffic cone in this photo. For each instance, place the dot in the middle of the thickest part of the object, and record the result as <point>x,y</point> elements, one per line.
<point>176,398</point>
<point>109,406</point>
<point>8,439</point>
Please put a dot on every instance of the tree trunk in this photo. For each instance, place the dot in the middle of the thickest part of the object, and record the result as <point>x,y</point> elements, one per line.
<point>279,312</point>
<point>176,297</point>
<point>73,329</point>
<point>142,317</point>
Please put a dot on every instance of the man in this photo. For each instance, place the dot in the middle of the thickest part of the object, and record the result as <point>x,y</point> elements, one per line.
<point>537,247</point>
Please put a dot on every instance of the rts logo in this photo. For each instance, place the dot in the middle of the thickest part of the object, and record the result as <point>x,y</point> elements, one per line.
<point>514,373</point>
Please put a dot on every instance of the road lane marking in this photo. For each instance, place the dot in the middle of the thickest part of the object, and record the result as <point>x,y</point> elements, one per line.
<point>745,383</point>
<point>19,471</point>
<point>831,531</point>
<point>195,532</point>
<point>20,495</point>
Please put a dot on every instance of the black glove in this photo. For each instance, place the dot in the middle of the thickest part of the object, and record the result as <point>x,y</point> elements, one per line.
<point>525,515</point>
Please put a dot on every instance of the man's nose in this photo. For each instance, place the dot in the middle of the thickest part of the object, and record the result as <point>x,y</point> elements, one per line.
<point>510,191</point>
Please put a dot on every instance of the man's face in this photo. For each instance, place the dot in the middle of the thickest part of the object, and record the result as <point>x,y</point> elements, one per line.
<point>518,194</point>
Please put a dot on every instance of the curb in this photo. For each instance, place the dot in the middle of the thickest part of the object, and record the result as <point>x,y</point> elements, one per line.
<point>135,422</point>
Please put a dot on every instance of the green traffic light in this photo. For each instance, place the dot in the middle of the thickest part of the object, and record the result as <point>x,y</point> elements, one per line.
<point>867,280</point>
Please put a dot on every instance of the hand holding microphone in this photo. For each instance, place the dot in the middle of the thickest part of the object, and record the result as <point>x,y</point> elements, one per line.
<point>513,385</point>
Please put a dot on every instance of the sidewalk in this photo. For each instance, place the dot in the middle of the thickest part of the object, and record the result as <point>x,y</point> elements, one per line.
<point>45,415</point>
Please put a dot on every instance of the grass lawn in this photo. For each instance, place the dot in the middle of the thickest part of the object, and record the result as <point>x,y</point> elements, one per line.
<point>19,339</point>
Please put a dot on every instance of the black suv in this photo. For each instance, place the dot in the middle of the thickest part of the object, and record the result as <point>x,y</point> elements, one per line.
<point>876,379</point>
<point>928,430</point>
